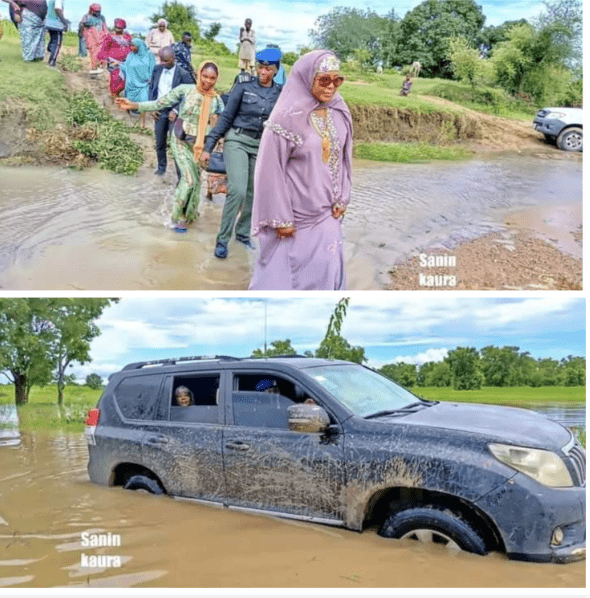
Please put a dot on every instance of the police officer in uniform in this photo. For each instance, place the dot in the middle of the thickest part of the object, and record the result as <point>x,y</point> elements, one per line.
<point>248,107</point>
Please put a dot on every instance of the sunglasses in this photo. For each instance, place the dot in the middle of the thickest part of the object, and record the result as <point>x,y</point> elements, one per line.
<point>326,80</point>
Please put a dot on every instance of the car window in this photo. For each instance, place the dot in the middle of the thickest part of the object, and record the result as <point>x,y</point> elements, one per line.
<point>262,400</point>
<point>195,399</point>
<point>137,396</point>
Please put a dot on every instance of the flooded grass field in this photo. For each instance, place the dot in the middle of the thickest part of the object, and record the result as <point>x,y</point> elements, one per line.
<point>47,503</point>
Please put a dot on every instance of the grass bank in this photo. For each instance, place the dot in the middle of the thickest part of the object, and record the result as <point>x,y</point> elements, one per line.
<point>516,396</point>
<point>407,153</point>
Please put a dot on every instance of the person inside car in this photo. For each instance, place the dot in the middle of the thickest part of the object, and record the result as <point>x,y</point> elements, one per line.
<point>184,397</point>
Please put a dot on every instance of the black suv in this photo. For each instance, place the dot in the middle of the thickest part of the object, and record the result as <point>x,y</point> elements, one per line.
<point>337,443</point>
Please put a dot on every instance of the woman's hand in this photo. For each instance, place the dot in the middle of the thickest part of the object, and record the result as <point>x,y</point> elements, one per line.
<point>285,231</point>
<point>204,159</point>
<point>338,211</point>
<point>125,104</point>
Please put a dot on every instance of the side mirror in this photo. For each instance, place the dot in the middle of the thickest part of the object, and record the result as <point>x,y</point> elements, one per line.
<point>311,419</point>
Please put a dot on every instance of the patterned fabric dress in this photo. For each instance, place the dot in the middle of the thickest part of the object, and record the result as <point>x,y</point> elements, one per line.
<point>187,194</point>
<point>32,35</point>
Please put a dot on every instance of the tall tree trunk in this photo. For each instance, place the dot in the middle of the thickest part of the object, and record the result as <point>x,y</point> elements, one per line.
<point>20,388</point>
<point>60,392</point>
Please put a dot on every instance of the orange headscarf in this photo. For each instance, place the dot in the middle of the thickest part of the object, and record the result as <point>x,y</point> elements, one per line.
<point>205,110</point>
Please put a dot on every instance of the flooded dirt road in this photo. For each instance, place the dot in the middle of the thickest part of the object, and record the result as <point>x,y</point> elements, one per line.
<point>63,229</point>
<point>47,503</point>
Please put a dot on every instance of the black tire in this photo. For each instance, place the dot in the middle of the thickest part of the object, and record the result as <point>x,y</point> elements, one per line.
<point>141,482</point>
<point>433,524</point>
<point>571,140</point>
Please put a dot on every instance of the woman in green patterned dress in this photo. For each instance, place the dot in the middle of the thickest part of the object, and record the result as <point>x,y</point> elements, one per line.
<point>197,104</point>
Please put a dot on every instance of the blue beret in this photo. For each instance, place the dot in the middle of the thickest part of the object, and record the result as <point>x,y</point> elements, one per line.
<point>265,384</point>
<point>269,56</point>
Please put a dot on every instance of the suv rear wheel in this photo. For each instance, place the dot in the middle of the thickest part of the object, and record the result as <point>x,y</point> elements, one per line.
<point>571,140</point>
<point>432,524</point>
<point>141,482</point>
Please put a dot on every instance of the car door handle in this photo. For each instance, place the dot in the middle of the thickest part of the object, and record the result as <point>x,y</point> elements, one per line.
<point>157,439</point>
<point>238,446</point>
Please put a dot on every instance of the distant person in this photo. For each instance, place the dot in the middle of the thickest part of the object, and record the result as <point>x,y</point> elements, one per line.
<point>137,72</point>
<point>303,181</point>
<point>166,76</point>
<point>249,105</point>
<point>95,31</point>
<point>247,48</point>
<point>406,86</point>
<point>115,49</point>
<point>182,51</point>
<point>56,25</point>
<point>30,17</point>
<point>82,52</point>
<point>197,105</point>
<point>380,67</point>
<point>159,38</point>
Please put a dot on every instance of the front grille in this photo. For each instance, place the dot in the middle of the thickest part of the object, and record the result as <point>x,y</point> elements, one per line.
<point>577,457</point>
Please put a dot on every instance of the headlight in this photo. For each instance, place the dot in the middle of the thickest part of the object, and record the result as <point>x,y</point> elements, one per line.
<point>554,115</point>
<point>543,466</point>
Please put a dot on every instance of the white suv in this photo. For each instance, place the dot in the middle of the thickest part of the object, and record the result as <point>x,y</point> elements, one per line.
<point>561,125</point>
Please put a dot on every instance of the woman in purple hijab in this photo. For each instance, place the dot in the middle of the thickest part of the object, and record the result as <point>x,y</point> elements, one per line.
<point>302,181</point>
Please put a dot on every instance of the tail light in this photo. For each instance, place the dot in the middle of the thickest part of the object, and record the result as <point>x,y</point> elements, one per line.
<point>93,417</point>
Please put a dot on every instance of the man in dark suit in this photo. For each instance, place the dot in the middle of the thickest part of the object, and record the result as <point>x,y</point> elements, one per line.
<point>166,76</point>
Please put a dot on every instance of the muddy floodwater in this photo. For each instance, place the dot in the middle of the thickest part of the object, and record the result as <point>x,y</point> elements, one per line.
<point>47,504</point>
<point>62,229</point>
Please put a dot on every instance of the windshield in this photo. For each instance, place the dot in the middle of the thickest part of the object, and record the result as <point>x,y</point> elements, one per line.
<point>362,390</point>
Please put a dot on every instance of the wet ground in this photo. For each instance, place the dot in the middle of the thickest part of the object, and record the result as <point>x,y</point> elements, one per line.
<point>47,503</point>
<point>63,229</point>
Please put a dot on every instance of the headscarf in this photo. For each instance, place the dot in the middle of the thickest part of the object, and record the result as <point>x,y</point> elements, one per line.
<point>160,21</point>
<point>205,109</point>
<point>291,113</point>
<point>95,8</point>
<point>138,67</point>
<point>120,23</point>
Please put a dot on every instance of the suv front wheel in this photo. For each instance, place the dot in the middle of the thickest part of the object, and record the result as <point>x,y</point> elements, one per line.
<point>571,140</point>
<point>433,525</point>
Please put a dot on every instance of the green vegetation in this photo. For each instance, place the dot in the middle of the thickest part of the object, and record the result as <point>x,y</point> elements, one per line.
<point>42,413</point>
<point>515,396</point>
<point>465,368</point>
<point>41,337</point>
<point>408,153</point>
<point>111,145</point>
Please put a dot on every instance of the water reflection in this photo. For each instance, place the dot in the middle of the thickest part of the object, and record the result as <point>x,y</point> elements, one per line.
<point>9,426</point>
<point>568,415</point>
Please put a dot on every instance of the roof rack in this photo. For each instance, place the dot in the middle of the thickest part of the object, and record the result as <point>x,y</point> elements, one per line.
<point>141,364</point>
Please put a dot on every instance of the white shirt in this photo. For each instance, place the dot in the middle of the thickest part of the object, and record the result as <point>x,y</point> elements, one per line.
<point>165,82</point>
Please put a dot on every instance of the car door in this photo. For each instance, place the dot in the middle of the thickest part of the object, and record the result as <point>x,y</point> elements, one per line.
<point>183,447</point>
<point>269,467</point>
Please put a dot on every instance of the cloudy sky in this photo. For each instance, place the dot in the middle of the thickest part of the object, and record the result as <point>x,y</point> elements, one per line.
<point>284,22</point>
<point>391,327</point>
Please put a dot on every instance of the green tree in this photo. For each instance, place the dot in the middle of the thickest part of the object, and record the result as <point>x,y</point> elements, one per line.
<point>490,36</point>
<point>402,373</point>
<point>75,328</point>
<point>94,381</point>
<point>573,371</point>
<point>425,30</point>
<point>26,335</point>
<point>465,366</point>
<point>434,373</point>
<point>213,31</point>
<point>568,15</point>
<point>345,30</point>
<point>276,348</point>
<point>180,18</point>
<point>465,61</point>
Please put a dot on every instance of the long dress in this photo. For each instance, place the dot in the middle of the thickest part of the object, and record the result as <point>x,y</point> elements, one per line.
<point>187,194</point>
<point>32,30</point>
<point>116,47</point>
<point>156,40</point>
<point>137,72</point>
<point>95,31</point>
<point>294,187</point>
